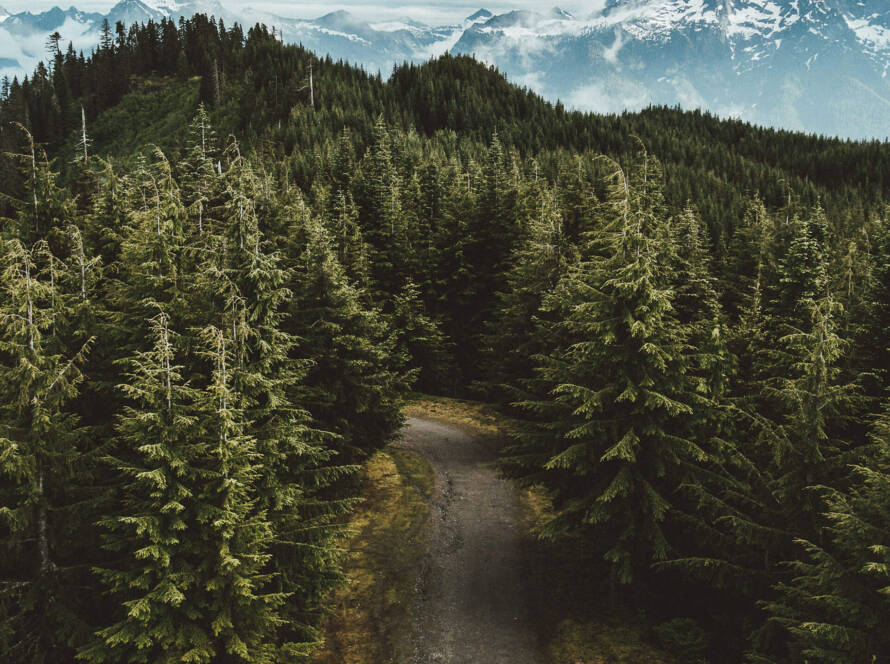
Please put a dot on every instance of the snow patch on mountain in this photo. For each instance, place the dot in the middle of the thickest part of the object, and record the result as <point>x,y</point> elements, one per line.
<point>872,35</point>
<point>759,19</point>
<point>656,19</point>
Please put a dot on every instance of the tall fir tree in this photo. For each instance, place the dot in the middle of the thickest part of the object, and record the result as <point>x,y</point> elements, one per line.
<point>192,543</point>
<point>835,604</point>
<point>609,437</point>
<point>41,446</point>
<point>355,382</point>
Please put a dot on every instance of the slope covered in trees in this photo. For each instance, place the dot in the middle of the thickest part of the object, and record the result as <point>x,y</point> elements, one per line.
<point>216,296</point>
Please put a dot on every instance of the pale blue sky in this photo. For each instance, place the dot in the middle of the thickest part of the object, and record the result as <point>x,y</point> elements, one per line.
<point>433,12</point>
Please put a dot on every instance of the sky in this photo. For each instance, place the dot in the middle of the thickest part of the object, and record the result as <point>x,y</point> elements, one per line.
<point>433,13</point>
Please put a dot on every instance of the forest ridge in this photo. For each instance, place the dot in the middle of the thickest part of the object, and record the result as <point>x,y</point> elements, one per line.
<point>217,296</point>
<point>807,65</point>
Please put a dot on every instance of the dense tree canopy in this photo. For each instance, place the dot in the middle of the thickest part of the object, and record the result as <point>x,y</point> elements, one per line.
<point>215,298</point>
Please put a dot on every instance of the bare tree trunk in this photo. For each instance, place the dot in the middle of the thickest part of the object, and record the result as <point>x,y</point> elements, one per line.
<point>311,88</point>
<point>46,564</point>
<point>83,134</point>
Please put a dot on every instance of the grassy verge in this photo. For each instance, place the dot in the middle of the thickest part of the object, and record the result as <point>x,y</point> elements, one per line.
<point>370,621</point>
<point>578,623</point>
<point>477,419</point>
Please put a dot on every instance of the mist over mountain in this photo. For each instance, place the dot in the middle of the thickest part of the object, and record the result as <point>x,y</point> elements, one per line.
<point>811,65</point>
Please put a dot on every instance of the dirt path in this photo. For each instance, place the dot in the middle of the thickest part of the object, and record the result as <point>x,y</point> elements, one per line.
<point>471,605</point>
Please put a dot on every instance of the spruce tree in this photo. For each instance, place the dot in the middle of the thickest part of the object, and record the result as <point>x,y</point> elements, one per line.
<point>419,337</point>
<point>518,329</point>
<point>347,236</point>
<point>835,605</point>
<point>191,542</point>
<point>248,282</point>
<point>40,454</point>
<point>610,438</point>
<point>354,384</point>
<point>383,222</point>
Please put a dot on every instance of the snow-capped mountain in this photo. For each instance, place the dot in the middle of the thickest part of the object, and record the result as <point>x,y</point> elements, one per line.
<point>813,65</point>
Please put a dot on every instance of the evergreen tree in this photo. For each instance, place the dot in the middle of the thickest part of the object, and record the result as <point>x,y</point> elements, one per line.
<point>835,606</point>
<point>518,329</point>
<point>354,384</point>
<point>44,205</point>
<point>248,283</point>
<point>352,251</point>
<point>39,457</point>
<point>610,439</point>
<point>383,224</point>
<point>420,338</point>
<point>193,543</point>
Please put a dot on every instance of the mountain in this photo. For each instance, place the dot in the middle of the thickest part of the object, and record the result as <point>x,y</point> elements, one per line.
<point>133,11</point>
<point>23,36</point>
<point>481,15</point>
<point>811,65</point>
<point>814,65</point>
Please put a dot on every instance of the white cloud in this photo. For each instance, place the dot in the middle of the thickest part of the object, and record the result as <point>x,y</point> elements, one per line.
<point>609,96</point>
<point>28,51</point>
<point>611,53</point>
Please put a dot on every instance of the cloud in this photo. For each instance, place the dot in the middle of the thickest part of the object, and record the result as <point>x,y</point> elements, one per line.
<point>28,51</point>
<point>611,53</point>
<point>608,96</point>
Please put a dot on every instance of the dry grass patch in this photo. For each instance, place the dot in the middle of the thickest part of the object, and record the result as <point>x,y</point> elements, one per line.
<point>370,619</point>
<point>475,418</point>
<point>598,643</point>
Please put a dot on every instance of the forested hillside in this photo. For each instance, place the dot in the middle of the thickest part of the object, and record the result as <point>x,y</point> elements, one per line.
<point>217,294</point>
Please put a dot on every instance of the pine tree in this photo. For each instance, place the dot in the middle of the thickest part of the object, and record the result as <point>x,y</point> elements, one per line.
<point>802,273</point>
<point>193,544</point>
<point>518,328</point>
<point>44,205</point>
<point>697,306</point>
<point>492,234</point>
<point>873,342</point>
<point>39,458</point>
<point>155,261</point>
<point>200,184</point>
<point>248,283</point>
<point>354,385</point>
<point>610,439</point>
<point>748,257</point>
<point>818,398</point>
<point>786,437</point>
<point>835,605</point>
<point>383,222</point>
<point>352,251</point>
<point>420,338</point>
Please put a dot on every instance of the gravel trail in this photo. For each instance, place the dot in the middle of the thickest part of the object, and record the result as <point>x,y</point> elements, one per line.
<point>471,603</point>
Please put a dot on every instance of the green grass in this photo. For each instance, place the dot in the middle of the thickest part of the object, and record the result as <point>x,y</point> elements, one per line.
<point>473,417</point>
<point>156,112</point>
<point>370,616</point>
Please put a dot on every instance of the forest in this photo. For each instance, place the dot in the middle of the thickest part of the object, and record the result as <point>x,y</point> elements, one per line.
<point>218,292</point>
